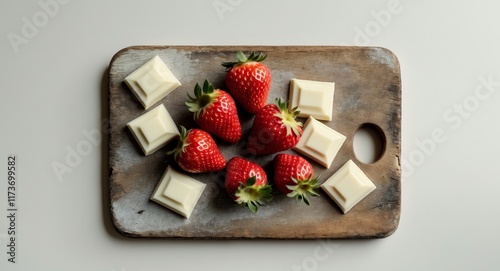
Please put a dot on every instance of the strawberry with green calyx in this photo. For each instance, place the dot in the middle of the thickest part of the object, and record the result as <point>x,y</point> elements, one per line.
<point>197,152</point>
<point>215,112</point>
<point>294,177</point>
<point>249,80</point>
<point>274,129</point>
<point>246,183</point>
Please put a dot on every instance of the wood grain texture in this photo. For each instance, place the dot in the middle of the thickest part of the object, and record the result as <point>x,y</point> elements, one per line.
<point>367,90</point>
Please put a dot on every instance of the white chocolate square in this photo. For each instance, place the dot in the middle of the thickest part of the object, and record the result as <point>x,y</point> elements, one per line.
<point>152,82</point>
<point>319,142</point>
<point>178,192</point>
<point>154,129</point>
<point>312,98</point>
<point>348,186</point>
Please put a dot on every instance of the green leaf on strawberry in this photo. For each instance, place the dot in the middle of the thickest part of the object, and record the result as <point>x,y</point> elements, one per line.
<point>302,188</point>
<point>252,196</point>
<point>203,98</point>
<point>253,57</point>
<point>288,117</point>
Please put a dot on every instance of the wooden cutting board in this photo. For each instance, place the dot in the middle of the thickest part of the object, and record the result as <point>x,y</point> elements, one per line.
<point>367,90</point>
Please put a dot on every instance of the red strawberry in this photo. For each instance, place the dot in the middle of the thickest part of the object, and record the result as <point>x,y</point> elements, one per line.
<point>197,152</point>
<point>293,176</point>
<point>246,183</point>
<point>249,81</point>
<point>215,112</point>
<point>274,129</point>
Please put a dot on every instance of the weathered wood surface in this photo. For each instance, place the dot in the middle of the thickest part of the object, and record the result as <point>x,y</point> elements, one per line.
<point>367,90</point>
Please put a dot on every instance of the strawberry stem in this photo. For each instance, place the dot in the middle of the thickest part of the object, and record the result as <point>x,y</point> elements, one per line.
<point>242,59</point>
<point>303,188</point>
<point>181,144</point>
<point>203,98</point>
<point>288,117</point>
<point>252,196</point>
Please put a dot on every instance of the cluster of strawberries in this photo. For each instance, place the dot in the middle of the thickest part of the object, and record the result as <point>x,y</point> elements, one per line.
<point>274,129</point>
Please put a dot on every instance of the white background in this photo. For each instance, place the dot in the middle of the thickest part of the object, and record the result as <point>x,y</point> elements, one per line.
<point>51,86</point>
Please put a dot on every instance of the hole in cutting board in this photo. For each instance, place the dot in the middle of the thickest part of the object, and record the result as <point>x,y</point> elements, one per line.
<point>369,143</point>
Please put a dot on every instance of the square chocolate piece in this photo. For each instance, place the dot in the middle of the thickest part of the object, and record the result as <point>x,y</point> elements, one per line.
<point>348,186</point>
<point>154,129</point>
<point>178,192</point>
<point>152,82</point>
<point>312,98</point>
<point>319,142</point>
